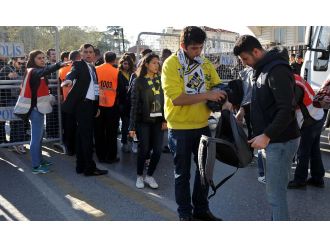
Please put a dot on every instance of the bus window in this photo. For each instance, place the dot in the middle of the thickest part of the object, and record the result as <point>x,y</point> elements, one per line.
<point>321,58</point>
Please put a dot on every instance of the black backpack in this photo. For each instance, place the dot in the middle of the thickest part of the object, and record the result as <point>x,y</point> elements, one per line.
<point>235,93</point>
<point>229,146</point>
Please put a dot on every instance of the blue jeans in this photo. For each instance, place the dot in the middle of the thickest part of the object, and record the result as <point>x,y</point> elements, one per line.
<point>37,131</point>
<point>309,152</point>
<point>182,144</point>
<point>277,168</point>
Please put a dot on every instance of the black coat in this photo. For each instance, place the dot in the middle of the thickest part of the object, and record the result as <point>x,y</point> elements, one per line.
<point>141,103</point>
<point>273,101</point>
<point>80,73</point>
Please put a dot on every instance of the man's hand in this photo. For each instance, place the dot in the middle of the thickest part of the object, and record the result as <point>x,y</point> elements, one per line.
<point>12,75</point>
<point>260,141</point>
<point>216,95</point>
<point>164,126</point>
<point>228,106</point>
<point>63,64</point>
<point>132,133</point>
<point>240,115</point>
<point>67,83</point>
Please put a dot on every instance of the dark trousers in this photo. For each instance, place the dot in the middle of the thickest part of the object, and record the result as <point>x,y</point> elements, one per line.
<point>106,129</point>
<point>248,120</point>
<point>183,144</point>
<point>151,138</point>
<point>18,131</point>
<point>85,113</point>
<point>124,127</point>
<point>309,152</point>
<point>2,132</point>
<point>70,127</point>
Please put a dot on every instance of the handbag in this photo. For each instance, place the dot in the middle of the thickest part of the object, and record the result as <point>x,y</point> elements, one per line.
<point>23,104</point>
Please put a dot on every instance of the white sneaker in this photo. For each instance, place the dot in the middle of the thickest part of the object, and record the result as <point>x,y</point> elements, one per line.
<point>139,182</point>
<point>21,148</point>
<point>151,182</point>
<point>262,180</point>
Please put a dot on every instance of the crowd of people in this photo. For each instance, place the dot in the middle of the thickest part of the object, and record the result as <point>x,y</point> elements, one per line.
<point>169,92</point>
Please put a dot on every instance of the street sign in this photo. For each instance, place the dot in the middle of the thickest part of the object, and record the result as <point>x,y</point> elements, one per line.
<point>9,49</point>
<point>7,114</point>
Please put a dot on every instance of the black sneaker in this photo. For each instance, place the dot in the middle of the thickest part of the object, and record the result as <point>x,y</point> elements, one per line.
<point>296,185</point>
<point>96,172</point>
<point>316,183</point>
<point>206,216</point>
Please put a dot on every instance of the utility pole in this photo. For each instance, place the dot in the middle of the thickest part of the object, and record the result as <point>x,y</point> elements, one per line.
<point>123,39</point>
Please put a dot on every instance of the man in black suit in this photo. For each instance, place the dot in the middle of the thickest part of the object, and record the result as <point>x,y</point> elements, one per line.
<point>82,101</point>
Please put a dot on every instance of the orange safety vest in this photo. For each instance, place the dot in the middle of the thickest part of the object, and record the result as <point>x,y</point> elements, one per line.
<point>62,74</point>
<point>43,89</point>
<point>108,81</point>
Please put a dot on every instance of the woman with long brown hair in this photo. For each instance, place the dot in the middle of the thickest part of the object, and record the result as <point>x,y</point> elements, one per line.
<point>126,69</point>
<point>147,115</point>
<point>37,86</point>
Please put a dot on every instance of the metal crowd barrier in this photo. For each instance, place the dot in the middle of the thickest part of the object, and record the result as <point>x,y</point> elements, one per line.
<point>15,131</point>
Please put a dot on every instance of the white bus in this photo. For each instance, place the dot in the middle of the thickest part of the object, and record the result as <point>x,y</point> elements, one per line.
<point>316,66</point>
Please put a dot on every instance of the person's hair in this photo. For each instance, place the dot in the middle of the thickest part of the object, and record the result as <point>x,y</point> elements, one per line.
<point>97,51</point>
<point>293,55</point>
<point>166,53</point>
<point>145,52</point>
<point>192,35</point>
<point>132,55</point>
<point>73,55</point>
<point>32,55</point>
<point>126,58</point>
<point>142,69</point>
<point>109,57</point>
<point>246,43</point>
<point>48,51</point>
<point>64,54</point>
<point>86,46</point>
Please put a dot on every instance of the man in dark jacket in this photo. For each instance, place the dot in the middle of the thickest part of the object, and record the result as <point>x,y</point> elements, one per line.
<point>296,66</point>
<point>274,124</point>
<point>82,101</point>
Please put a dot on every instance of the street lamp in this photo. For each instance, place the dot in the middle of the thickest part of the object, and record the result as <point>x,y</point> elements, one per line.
<point>116,33</point>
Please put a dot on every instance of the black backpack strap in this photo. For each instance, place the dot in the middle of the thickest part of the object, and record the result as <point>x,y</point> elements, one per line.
<point>206,161</point>
<point>216,187</point>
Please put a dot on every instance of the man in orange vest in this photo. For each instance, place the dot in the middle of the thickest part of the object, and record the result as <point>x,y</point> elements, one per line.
<point>106,125</point>
<point>69,120</point>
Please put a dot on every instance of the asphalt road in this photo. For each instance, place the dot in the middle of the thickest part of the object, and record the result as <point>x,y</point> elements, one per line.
<point>64,195</point>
